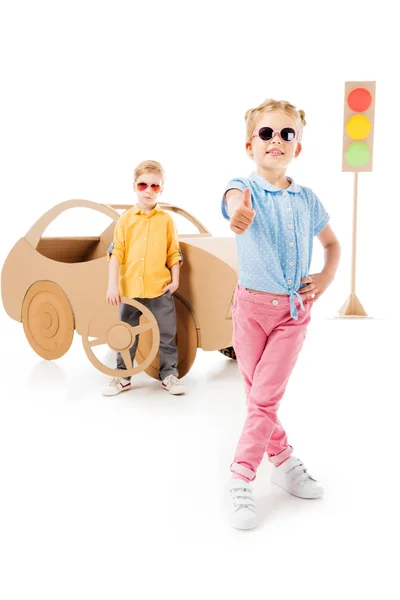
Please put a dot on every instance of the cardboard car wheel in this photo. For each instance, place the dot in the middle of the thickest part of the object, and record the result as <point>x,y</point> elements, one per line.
<point>186,341</point>
<point>120,337</point>
<point>48,320</point>
<point>229,352</point>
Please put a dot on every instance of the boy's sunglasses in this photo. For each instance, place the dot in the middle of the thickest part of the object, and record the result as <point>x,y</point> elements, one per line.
<point>287,134</point>
<point>155,187</point>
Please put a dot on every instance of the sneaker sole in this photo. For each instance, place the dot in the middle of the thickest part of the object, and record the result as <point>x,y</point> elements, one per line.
<point>292,493</point>
<point>125,389</point>
<point>172,393</point>
<point>244,527</point>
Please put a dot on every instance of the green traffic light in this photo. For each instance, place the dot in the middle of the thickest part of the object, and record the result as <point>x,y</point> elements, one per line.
<point>357,154</point>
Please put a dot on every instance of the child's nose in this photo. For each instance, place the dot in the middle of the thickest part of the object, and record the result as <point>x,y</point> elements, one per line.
<point>276,137</point>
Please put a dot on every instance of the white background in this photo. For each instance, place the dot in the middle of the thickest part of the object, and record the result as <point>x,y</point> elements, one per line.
<point>122,498</point>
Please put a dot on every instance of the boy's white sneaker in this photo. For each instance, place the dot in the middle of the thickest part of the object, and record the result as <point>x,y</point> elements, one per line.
<point>292,476</point>
<point>173,385</point>
<point>242,506</point>
<point>116,386</point>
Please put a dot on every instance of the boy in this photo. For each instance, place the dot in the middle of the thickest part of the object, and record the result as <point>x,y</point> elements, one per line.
<point>144,265</point>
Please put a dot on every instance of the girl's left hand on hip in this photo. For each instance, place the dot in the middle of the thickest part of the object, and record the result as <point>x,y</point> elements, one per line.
<point>317,284</point>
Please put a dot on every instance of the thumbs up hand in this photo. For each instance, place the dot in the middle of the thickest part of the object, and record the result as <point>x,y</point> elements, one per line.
<point>243,215</point>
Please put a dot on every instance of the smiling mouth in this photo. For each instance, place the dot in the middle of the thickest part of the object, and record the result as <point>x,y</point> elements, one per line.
<point>275,152</point>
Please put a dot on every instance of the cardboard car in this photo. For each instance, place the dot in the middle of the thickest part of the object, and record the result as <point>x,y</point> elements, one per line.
<point>57,285</point>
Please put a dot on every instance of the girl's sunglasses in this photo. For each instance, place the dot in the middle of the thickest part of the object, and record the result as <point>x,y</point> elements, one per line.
<point>287,134</point>
<point>155,187</point>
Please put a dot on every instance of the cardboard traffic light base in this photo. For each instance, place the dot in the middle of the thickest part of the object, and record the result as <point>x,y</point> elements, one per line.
<point>352,308</point>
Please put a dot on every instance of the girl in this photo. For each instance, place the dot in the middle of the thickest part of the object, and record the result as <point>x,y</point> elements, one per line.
<point>275,220</point>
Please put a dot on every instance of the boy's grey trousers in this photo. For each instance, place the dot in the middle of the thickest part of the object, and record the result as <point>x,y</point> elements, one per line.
<point>163,309</point>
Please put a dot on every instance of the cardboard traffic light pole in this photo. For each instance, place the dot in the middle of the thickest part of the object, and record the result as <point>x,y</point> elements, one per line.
<point>358,136</point>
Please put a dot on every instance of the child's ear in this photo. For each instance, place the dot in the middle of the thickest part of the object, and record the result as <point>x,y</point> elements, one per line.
<point>298,150</point>
<point>249,149</point>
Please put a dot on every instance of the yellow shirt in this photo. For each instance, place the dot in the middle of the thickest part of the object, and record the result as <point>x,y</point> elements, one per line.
<point>146,247</point>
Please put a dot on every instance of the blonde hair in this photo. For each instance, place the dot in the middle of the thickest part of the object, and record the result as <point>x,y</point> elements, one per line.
<point>269,105</point>
<point>149,166</point>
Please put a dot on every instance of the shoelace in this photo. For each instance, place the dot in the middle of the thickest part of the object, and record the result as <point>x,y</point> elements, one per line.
<point>243,497</point>
<point>115,380</point>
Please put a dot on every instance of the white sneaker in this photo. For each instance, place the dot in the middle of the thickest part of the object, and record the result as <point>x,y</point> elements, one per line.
<point>172,385</point>
<point>242,505</point>
<point>292,476</point>
<point>116,386</point>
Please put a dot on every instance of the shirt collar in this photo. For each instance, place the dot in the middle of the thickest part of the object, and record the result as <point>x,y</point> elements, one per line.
<point>136,210</point>
<point>267,186</point>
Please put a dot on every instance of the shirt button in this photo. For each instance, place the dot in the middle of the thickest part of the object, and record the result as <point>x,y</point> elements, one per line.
<point>275,302</point>
<point>291,263</point>
<point>291,244</point>
<point>290,226</point>
<point>284,193</point>
<point>288,209</point>
<point>144,239</point>
<point>142,259</point>
<point>140,277</point>
<point>289,281</point>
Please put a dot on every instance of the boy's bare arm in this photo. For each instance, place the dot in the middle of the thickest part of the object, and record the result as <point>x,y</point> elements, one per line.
<point>113,295</point>
<point>239,209</point>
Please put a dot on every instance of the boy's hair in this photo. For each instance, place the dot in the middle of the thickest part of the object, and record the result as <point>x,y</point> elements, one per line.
<point>269,105</point>
<point>149,166</point>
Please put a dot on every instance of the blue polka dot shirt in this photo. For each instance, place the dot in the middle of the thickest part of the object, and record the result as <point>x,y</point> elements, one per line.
<point>275,252</point>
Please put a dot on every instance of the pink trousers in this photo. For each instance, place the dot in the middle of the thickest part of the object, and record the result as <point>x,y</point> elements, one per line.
<point>267,342</point>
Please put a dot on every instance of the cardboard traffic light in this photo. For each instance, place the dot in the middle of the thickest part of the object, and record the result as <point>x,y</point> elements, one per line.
<point>358,145</point>
<point>358,126</point>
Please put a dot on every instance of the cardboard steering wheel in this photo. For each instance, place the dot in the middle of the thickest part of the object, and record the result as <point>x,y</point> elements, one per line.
<point>121,337</point>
